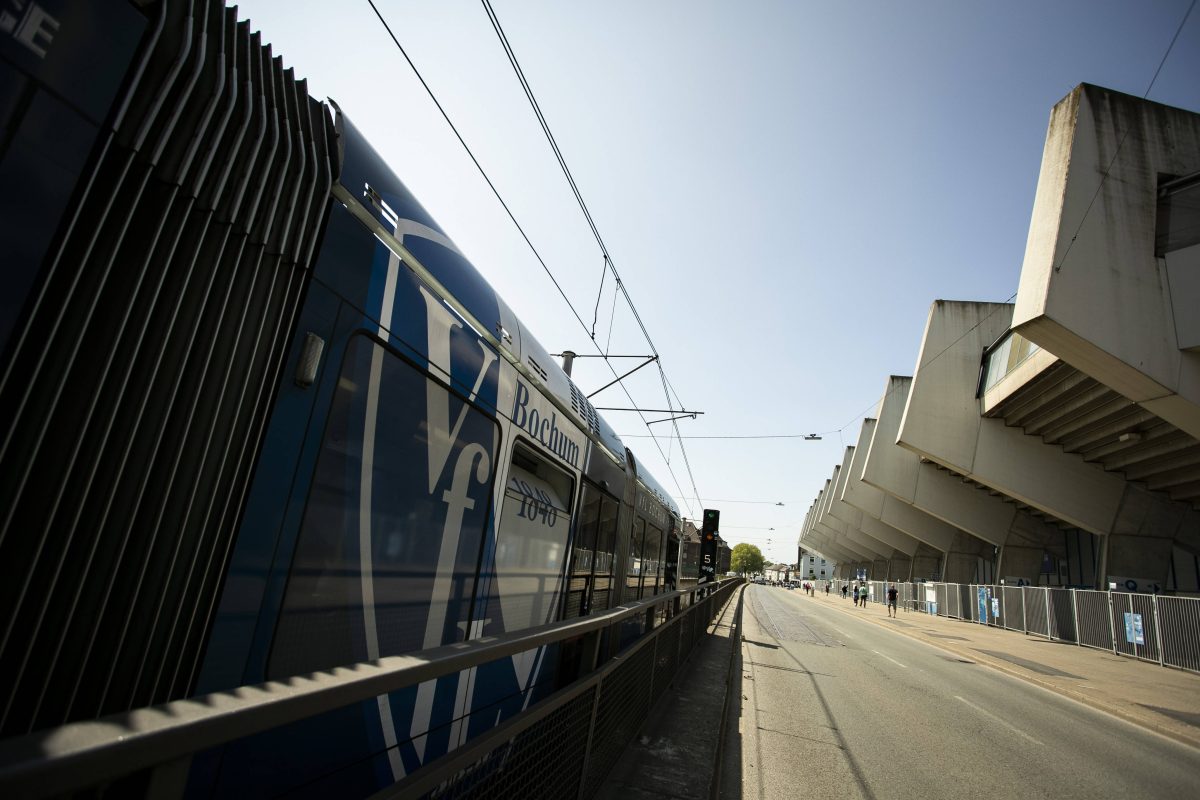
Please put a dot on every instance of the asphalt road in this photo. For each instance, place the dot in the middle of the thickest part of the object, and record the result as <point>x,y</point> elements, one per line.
<point>835,707</point>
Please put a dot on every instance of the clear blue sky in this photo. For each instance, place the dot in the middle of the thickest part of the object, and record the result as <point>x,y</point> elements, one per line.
<point>784,187</point>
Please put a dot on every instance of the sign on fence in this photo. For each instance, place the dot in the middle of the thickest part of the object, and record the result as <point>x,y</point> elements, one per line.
<point>1119,583</point>
<point>983,604</point>
<point>1134,634</point>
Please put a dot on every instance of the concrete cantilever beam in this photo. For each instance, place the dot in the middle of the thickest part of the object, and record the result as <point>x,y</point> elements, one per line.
<point>941,423</point>
<point>843,555</point>
<point>893,511</point>
<point>855,519</point>
<point>839,531</point>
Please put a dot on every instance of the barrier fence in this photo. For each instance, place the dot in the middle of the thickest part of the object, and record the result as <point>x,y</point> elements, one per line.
<point>1157,628</point>
<point>563,746</point>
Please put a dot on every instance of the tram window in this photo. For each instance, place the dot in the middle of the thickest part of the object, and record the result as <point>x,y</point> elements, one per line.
<point>606,538</point>
<point>531,542</point>
<point>590,575</point>
<point>652,565</point>
<point>634,576</point>
<point>376,455</point>
<point>579,585</point>
<point>589,524</point>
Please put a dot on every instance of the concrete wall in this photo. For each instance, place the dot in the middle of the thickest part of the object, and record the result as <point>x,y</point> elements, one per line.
<point>1092,291</point>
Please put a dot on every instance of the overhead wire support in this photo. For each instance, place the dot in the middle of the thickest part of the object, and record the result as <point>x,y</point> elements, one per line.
<point>649,360</point>
<point>651,411</point>
<point>684,415</point>
<point>512,57</point>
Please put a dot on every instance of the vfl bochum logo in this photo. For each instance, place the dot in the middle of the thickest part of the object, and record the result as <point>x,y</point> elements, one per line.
<point>471,463</point>
<point>30,25</point>
<point>543,428</point>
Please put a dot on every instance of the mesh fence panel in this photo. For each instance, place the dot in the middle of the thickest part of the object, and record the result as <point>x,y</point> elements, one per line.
<point>545,761</point>
<point>686,625</point>
<point>1012,608</point>
<point>624,702</point>
<point>1179,618</point>
<point>1094,624</point>
<point>966,601</point>
<point>666,659</point>
<point>1062,615</point>
<point>1036,619</point>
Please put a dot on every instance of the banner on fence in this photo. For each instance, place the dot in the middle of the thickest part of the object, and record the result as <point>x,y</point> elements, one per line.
<point>1134,634</point>
<point>983,604</point>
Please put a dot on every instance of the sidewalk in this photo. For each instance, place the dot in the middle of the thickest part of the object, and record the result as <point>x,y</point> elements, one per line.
<point>675,753</point>
<point>1158,698</point>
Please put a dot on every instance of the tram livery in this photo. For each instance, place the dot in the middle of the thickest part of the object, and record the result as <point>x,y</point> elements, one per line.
<point>262,418</point>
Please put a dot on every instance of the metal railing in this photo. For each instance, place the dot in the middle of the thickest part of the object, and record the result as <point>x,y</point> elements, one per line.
<point>561,747</point>
<point>1156,628</point>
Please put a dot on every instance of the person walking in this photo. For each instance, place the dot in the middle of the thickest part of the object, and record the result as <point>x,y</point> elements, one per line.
<point>844,591</point>
<point>827,588</point>
<point>862,595</point>
<point>892,600</point>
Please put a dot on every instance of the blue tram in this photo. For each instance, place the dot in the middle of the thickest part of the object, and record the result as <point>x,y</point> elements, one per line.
<point>261,417</point>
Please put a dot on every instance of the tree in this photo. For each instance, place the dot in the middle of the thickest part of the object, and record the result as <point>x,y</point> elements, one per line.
<point>746,558</point>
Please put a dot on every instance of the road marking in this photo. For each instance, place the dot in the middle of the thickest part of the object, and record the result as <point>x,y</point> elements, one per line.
<point>842,632</point>
<point>889,658</point>
<point>1003,722</point>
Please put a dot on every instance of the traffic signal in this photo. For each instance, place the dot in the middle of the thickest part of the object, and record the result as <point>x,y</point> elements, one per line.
<point>708,545</point>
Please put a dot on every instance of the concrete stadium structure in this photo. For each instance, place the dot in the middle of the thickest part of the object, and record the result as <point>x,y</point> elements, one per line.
<point>1069,454</point>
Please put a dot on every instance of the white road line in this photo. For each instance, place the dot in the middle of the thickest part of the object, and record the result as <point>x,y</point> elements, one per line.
<point>1003,722</point>
<point>889,658</point>
<point>842,632</point>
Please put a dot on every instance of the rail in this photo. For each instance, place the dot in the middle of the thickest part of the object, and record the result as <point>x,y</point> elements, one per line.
<point>87,754</point>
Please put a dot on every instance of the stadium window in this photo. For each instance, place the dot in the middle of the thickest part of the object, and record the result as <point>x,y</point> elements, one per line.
<point>1178,219</point>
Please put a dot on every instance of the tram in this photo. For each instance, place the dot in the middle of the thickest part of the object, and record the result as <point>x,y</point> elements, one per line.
<point>262,418</point>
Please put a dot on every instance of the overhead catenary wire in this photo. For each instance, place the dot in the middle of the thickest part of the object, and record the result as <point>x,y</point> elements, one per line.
<point>534,250</point>
<point>475,161</point>
<point>620,284</point>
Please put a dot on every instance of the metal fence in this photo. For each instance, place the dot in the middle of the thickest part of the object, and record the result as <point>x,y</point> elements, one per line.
<point>564,746</point>
<point>1157,628</point>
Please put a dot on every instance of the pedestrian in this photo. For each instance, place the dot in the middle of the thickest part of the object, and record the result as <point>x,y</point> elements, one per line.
<point>854,591</point>
<point>844,591</point>
<point>892,600</point>
<point>827,588</point>
<point>862,595</point>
